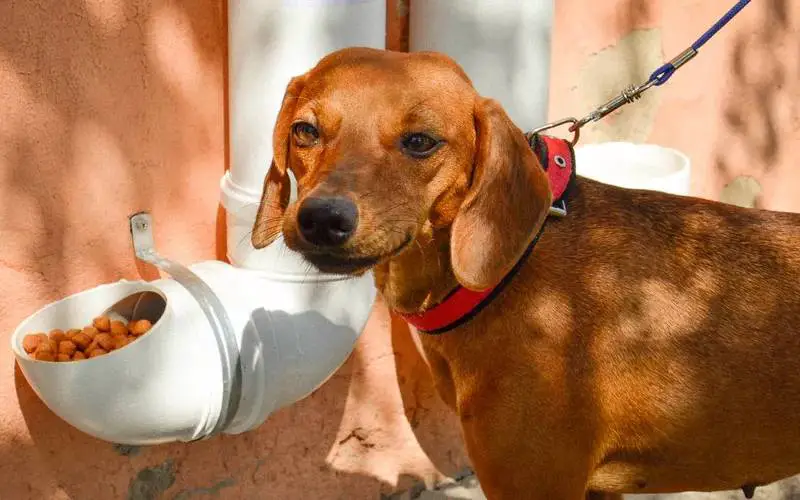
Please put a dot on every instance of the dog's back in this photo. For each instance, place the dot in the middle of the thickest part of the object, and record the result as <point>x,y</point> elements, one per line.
<point>673,321</point>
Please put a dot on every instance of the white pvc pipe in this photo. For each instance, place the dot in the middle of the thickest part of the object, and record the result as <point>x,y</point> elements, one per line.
<point>269,43</point>
<point>635,166</point>
<point>503,45</point>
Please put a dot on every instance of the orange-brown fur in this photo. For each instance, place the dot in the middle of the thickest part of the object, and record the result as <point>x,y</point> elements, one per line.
<point>648,344</point>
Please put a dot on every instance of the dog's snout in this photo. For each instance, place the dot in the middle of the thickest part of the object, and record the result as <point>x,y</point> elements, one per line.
<point>327,221</point>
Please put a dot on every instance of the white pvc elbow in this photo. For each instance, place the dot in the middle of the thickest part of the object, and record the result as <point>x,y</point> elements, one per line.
<point>170,384</point>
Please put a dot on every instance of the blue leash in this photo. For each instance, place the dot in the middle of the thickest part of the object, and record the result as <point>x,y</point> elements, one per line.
<point>657,78</point>
<point>719,24</point>
<point>662,74</point>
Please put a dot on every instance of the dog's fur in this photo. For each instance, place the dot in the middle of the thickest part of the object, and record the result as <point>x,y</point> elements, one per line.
<point>648,344</point>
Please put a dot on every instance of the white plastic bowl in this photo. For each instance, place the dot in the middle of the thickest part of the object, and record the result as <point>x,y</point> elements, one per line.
<point>635,166</point>
<point>167,385</point>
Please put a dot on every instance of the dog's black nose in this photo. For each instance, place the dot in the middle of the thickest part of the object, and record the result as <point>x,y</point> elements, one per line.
<point>327,222</point>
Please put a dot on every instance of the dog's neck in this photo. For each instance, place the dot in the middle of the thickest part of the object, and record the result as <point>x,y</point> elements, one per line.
<point>420,276</point>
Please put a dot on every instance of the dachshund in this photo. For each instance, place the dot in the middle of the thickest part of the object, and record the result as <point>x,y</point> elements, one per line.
<point>635,342</point>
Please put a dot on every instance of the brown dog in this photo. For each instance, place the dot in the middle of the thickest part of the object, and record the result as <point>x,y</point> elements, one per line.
<point>649,343</point>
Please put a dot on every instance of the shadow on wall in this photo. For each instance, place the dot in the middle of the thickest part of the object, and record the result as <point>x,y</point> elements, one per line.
<point>423,406</point>
<point>108,108</point>
<point>628,61</point>
<point>761,96</point>
<point>101,119</point>
<point>111,107</point>
<point>312,449</point>
<point>270,458</point>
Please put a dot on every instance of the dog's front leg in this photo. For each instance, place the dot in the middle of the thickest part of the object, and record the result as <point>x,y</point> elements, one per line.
<point>518,460</point>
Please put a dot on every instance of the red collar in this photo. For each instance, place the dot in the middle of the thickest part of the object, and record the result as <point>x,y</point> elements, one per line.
<point>558,159</point>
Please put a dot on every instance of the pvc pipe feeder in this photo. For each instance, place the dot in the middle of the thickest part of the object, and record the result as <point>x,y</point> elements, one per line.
<point>228,347</point>
<point>230,344</point>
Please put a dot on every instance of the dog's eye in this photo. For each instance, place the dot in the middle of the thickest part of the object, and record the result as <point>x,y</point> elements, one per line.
<point>420,145</point>
<point>305,134</point>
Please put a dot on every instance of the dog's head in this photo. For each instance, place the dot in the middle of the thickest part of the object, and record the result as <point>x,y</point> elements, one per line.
<point>386,144</point>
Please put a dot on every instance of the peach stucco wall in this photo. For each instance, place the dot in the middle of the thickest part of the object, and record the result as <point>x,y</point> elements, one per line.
<point>108,107</point>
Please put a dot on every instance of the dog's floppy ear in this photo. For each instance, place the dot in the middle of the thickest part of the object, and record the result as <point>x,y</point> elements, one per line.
<point>275,195</point>
<point>506,205</point>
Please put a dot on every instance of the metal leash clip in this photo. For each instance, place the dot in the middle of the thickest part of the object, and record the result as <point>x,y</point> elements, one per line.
<point>575,128</point>
<point>634,92</point>
<point>627,96</point>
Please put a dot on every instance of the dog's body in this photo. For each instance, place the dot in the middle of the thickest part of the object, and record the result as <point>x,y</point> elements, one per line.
<point>647,344</point>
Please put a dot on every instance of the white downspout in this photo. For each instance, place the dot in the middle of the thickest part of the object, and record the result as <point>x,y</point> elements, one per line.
<point>269,43</point>
<point>503,45</point>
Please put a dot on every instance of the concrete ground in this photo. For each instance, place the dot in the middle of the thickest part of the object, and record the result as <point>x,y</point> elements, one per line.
<point>467,488</point>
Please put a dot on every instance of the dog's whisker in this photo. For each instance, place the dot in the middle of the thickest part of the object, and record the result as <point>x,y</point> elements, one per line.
<point>299,98</point>
<point>243,240</point>
<point>387,210</point>
<point>422,256</point>
<point>246,206</point>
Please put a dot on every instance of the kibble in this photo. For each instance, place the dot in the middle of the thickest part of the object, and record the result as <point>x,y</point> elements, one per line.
<point>97,352</point>
<point>44,355</point>
<point>45,351</point>
<point>82,341</point>
<point>94,345</point>
<point>102,336</point>
<point>57,335</point>
<point>102,323</point>
<point>120,341</point>
<point>67,347</point>
<point>52,345</point>
<point>90,332</point>
<point>118,328</point>
<point>32,341</point>
<point>105,340</point>
<point>140,327</point>
<point>46,346</point>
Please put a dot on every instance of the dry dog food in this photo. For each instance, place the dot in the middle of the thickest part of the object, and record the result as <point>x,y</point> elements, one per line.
<point>101,337</point>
